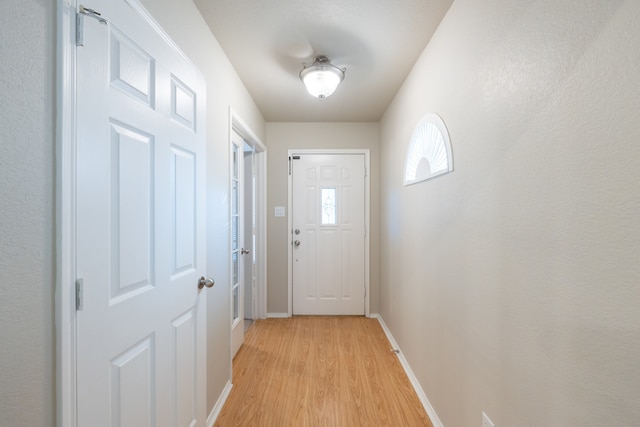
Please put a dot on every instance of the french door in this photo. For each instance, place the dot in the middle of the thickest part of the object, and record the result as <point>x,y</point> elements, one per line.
<point>241,252</point>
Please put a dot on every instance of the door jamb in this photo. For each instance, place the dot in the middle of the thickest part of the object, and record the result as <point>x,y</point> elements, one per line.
<point>367,215</point>
<point>65,318</point>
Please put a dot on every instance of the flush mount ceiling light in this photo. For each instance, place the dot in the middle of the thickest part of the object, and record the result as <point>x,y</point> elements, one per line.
<point>322,77</point>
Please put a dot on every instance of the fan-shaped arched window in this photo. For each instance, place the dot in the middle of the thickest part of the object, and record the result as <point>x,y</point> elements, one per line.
<point>429,153</point>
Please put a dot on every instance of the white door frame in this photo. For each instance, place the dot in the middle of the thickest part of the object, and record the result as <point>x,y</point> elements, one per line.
<point>65,215</point>
<point>367,209</point>
<point>66,121</point>
<point>260,152</point>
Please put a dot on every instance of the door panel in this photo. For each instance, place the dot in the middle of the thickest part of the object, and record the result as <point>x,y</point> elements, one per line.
<point>140,227</point>
<point>328,237</point>
<point>132,379</point>
<point>132,217</point>
<point>183,209</point>
<point>186,350</point>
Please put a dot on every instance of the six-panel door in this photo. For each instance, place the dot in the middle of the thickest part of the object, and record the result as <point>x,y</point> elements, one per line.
<point>140,227</point>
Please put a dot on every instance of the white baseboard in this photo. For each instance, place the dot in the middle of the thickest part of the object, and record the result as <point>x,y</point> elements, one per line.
<point>277,315</point>
<point>217,408</point>
<point>414,380</point>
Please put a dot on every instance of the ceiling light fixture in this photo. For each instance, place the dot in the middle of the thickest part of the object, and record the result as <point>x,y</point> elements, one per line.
<point>322,77</point>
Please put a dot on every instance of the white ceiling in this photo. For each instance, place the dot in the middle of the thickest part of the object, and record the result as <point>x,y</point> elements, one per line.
<point>377,41</point>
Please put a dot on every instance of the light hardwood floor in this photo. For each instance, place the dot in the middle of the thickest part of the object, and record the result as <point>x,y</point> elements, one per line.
<point>319,371</point>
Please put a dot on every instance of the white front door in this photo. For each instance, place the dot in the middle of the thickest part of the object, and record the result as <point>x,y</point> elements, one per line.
<point>328,235</point>
<point>140,226</point>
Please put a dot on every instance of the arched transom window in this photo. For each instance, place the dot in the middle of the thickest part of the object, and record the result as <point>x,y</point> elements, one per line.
<point>429,153</point>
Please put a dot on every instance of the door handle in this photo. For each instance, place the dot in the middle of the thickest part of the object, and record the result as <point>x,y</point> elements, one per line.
<point>296,243</point>
<point>208,282</point>
<point>245,251</point>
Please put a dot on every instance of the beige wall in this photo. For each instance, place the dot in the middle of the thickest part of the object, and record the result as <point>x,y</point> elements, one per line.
<point>511,284</point>
<point>27,235</point>
<point>284,136</point>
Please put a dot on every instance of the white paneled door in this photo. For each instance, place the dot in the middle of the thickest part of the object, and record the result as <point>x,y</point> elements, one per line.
<point>328,236</point>
<point>140,226</point>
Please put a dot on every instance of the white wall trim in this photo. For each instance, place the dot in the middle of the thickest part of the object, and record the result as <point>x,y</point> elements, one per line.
<point>217,408</point>
<point>414,380</point>
<point>367,221</point>
<point>278,315</point>
<point>65,216</point>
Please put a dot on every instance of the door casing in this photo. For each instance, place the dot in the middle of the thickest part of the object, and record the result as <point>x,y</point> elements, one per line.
<point>65,209</point>
<point>367,216</point>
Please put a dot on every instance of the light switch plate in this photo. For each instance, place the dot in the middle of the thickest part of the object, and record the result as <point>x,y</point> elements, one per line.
<point>279,211</point>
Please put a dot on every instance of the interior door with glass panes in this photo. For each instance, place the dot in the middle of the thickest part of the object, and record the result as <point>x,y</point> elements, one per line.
<point>238,252</point>
<point>328,236</point>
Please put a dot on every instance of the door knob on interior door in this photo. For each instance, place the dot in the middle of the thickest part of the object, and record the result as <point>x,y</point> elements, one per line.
<point>245,251</point>
<point>208,282</point>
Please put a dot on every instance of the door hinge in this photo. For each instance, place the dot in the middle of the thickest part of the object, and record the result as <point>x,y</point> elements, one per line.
<point>292,158</point>
<point>82,12</point>
<point>79,30</point>
<point>79,294</point>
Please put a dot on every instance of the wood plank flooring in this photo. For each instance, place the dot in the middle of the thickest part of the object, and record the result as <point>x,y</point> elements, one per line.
<point>319,371</point>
